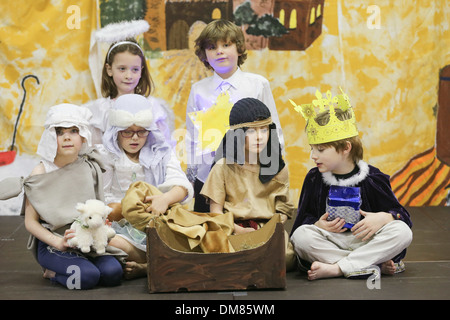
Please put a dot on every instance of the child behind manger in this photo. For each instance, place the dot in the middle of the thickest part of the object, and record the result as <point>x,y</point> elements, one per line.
<point>221,48</point>
<point>249,177</point>
<point>136,152</point>
<point>381,236</point>
<point>68,173</point>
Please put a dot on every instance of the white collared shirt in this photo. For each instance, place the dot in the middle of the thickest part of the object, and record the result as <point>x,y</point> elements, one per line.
<point>204,94</point>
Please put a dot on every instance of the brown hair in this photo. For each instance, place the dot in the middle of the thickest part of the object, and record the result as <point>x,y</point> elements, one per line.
<point>220,30</point>
<point>357,152</point>
<point>145,84</point>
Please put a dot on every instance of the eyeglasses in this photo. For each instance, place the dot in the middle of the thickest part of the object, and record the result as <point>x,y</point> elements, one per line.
<point>130,133</point>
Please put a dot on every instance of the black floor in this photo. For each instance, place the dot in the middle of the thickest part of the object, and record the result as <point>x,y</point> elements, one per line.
<point>427,274</point>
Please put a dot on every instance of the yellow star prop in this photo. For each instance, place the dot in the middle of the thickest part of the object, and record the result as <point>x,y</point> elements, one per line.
<point>213,123</point>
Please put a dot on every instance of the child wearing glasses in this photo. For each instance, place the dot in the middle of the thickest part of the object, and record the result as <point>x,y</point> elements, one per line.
<point>136,150</point>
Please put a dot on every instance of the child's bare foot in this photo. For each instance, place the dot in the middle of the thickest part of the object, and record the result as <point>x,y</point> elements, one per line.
<point>49,274</point>
<point>134,270</point>
<point>388,267</point>
<point>323,270</point>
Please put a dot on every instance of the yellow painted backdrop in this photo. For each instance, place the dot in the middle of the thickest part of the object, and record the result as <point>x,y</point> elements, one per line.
<point>390,73</point>
<point>42,38</point>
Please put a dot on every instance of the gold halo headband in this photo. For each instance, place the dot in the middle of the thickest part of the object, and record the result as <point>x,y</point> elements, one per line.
<point>254,124</point>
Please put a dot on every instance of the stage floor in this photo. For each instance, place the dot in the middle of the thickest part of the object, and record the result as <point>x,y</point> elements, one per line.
<point>427,274</point>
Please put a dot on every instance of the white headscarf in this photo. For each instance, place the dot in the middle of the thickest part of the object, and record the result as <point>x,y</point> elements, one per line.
<point>135,109</point>
<point>63,115</point>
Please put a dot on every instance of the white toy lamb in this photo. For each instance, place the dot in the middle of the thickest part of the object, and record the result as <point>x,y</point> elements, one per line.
<point>90,228</point>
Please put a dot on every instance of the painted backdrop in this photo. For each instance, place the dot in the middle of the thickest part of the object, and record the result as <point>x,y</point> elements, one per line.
<point>387,58</point>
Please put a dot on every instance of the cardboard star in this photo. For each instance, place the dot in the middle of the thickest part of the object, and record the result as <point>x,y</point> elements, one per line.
<point>212,124</point>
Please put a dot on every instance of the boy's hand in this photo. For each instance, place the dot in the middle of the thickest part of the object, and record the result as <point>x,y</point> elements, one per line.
<point>372,222</point>
<point>335,225</point>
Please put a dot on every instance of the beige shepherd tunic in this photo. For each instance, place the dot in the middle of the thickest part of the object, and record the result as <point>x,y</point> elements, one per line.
<point>241,192</point>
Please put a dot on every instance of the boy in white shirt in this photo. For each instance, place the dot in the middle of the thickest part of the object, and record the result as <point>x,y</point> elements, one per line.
<point>221,47</point>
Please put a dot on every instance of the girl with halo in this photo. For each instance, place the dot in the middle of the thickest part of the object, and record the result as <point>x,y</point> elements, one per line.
<point>125,71</point>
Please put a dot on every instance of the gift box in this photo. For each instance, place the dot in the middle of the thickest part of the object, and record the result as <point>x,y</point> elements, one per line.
<point>257,263</point>
<point>344,202</point>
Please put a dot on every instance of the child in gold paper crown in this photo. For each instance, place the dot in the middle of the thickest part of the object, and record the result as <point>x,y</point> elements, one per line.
<point>383,233</point>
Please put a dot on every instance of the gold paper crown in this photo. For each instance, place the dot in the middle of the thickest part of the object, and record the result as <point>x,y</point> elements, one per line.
<point>335,129</point>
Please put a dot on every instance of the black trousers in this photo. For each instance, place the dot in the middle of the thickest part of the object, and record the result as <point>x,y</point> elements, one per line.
<point>200,204</point>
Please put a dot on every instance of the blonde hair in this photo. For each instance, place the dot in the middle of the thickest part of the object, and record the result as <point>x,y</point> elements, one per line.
<point>145,84</point>
<point>220,30</point>
<point>357,151</point>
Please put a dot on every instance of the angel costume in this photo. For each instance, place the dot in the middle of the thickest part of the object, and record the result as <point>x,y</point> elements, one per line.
<point>117,34</point>
<point>158,164</point>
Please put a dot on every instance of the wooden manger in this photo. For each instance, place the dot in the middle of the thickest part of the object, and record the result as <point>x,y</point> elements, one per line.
<point>258,263</point>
